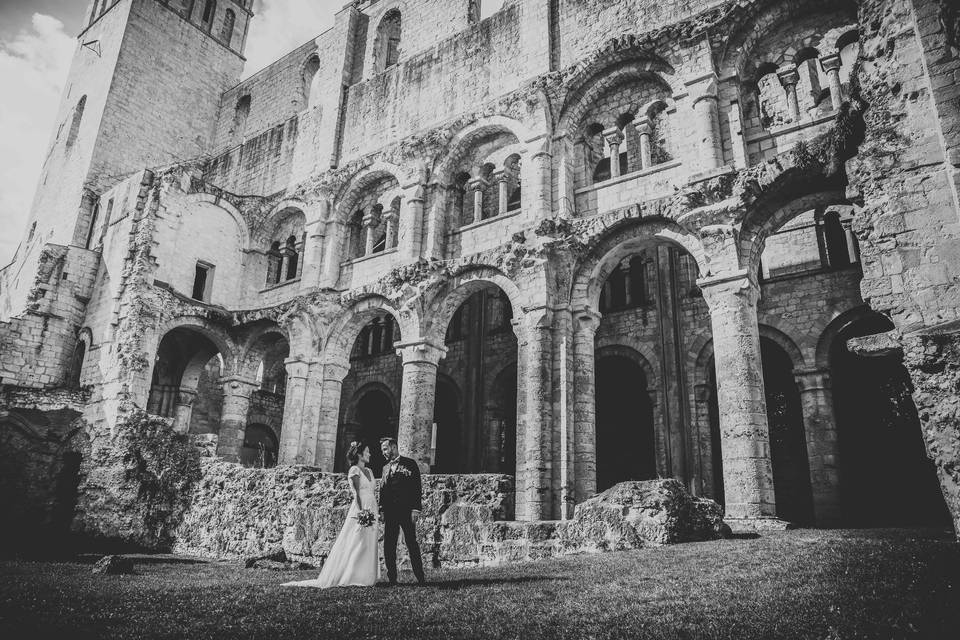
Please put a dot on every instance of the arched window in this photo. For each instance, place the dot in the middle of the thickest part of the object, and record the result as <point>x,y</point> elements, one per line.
<point>626,287</point>
<point>387,44</point>
<point>240,115</point>
<point>376,339</point>
<point>311,96</point>
<point>293,258</point>
<point>229,21</point>
<point>75,122</point>
<point>76,367</point>
<point>357,240</point>
<point>186,8</point>
<point>209,12</point>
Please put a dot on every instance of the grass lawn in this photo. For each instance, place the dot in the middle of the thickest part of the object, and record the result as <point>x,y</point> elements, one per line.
<point>798,584</point>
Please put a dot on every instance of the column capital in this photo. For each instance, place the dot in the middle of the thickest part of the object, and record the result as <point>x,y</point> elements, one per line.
<point>812,379</point>
<point>719,290</point>
<point>477,184</point>
<point>186,397</point>
<point>613,136</point>
<point>587,320</point>
<point>501,175</point>
<point>831,62</point>
<point>643,126</point>
<point>238,385</point>
<point>298,366</point>
<point>371,219</point>
<point>788,76</point>
<point>335,370</point>
<point>420,351</point>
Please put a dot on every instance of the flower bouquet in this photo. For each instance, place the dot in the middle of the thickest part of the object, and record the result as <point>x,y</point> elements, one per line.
<point>365,518</point>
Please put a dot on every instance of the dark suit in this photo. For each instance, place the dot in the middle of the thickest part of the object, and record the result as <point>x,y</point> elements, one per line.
<point>400,495</point>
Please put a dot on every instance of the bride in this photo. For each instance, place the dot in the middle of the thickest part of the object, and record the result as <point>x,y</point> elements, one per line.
<point>354,559</point>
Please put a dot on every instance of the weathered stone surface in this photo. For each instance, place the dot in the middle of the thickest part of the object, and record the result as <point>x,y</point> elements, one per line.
<point>113,566</point>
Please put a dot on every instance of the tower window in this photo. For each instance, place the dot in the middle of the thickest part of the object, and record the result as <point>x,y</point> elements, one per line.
<point>209,11</point>
<point>75,122</point>
<point>388,40</point>
<point>203,281</point>
<point>229,21</point>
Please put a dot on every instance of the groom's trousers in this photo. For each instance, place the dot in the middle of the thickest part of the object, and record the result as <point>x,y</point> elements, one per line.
<point>393,522</point>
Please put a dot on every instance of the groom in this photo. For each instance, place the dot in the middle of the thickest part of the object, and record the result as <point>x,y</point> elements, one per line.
<point>400,504</point>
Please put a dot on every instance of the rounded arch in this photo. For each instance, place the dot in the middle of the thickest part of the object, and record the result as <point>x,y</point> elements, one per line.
<point>447,298</point>
<point>215,334</point>
<point>766,217</point>
<point>230,209</point>
<point>620,241</point>
<point>617,71</point>
<point>785,342</point>
<point>262,339</point>
<point>466,138</point>
<point>354,189</point>
<point>842,321</point>
<point>351,321</point>
<point>634,355</point>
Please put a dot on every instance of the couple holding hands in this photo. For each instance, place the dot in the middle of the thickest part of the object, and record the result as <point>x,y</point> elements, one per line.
<point>354,559</point>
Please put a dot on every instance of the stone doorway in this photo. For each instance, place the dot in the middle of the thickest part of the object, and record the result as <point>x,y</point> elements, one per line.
<point>626,447</point>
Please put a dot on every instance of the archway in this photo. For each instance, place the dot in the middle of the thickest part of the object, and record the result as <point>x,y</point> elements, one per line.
<point>481,350</point>
<point>886,478</point>
<point>788,448</point>
<point>374,417</point>
<point>260,447</point>
<point>448,428</point>
<point>626,446</point>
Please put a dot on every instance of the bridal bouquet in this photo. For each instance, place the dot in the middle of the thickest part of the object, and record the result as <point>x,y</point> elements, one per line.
<point>366,518</point>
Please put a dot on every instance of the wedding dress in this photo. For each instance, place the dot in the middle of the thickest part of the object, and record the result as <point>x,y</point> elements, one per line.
<point>354,559</point>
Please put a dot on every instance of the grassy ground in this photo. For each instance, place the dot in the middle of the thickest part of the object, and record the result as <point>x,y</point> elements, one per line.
<point>799,584</point>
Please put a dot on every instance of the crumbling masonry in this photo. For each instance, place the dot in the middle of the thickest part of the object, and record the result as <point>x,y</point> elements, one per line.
<point>569,244</point>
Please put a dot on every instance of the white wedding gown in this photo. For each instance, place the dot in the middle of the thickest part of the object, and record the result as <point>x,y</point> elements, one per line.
<point>354,559</point>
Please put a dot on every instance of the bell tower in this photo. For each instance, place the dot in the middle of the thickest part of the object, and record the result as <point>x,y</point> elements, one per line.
<point>143,92</point>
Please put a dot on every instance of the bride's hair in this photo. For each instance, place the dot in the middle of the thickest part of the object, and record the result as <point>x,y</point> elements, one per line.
<point>356,450</point>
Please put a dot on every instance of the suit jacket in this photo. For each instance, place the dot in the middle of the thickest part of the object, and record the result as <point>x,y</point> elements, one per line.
<point>401,489</point>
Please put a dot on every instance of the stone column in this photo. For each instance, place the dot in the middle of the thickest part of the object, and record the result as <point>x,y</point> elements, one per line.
<point>744,433</point>
<point>411,223</point>
<point>294,396</point>
<point>534,499</point>
<point>703,92</point>
<point>370,222</point>
<point>183,410</point>
<point>586,323</point>
<point>477,185</point>
<point>644,130</point>
<point>823,452</point>
<point>336,238</point>
<point>502,178</point>
<point>538,183</point>
<point>417,396</point>
<point>390,219</point>
<point>233,418</point>
<point>614,138</point>
<point>831,66</point>
<point>739,145</point>
<point>325,406</point>
<point>789,79</point>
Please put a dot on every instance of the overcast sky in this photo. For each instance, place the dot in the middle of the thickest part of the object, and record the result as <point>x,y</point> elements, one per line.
<point>37,40</point>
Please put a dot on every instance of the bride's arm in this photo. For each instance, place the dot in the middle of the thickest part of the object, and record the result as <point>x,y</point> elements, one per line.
<point>355,480</point>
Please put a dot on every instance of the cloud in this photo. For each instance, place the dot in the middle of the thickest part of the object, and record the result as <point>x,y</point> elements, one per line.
<point>280,26</point>
<point>33,69</point>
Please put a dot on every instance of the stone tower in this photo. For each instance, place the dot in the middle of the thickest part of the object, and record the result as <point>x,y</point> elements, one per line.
<point>143,91</point>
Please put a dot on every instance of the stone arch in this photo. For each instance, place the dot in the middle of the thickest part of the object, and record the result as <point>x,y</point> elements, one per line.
<point>214,333</point>
<point>231,210</point>
<point>309,74</point>
<point>448,297</point>
<point>840,322</point>
<point>350,410</point>
<point>353,190</point>
<point>640,357</point>
<point>256,344</point>
<point>618,242</point>
<point>348,325</point>
<point>463,140</point>
<point>767,216</point>
<point>785,342</point>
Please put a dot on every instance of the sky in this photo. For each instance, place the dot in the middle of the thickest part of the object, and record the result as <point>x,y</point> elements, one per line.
<point>37,42</point>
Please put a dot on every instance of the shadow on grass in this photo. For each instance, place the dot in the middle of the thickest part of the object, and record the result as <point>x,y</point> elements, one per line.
<point>481,582</point>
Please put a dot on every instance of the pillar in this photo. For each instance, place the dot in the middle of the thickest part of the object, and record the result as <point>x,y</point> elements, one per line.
<point>336,238</point>
<point>233,418</point>
<point>538,181</point>
<point>820,427</point>
<point>294,396</point>
<point>411,223</point>
<point>744,433</point>
<point>183,410</point>
<point>390,220</point>
<point>534,497</point>
<point>644,130</point>
<point>614,138</point>
<point>586,323</point>
<point>789,79</point>
<point>323,409</point>
<point>703,92</point>
<point>502,178</point>
<point>370,222</point>
<point>477,185</point>
<point>831,66</point>
<point>417,396</point>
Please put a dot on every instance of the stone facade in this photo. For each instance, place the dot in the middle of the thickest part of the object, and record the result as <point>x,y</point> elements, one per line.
<point>574,243</point>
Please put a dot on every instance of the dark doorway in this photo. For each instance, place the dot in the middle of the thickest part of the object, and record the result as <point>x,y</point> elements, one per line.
<point>377,420</point>
<point>259,447</point>
<point>626,447</point>
<point>502,423</point>
<point>788,445</point>
<point>446,416</point>
<point>886,478</point>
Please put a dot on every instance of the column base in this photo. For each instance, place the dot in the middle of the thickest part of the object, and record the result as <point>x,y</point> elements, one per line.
<point>758,525</point>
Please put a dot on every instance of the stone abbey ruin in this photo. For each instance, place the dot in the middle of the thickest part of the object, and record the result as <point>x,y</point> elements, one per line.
<point>570,244</point>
